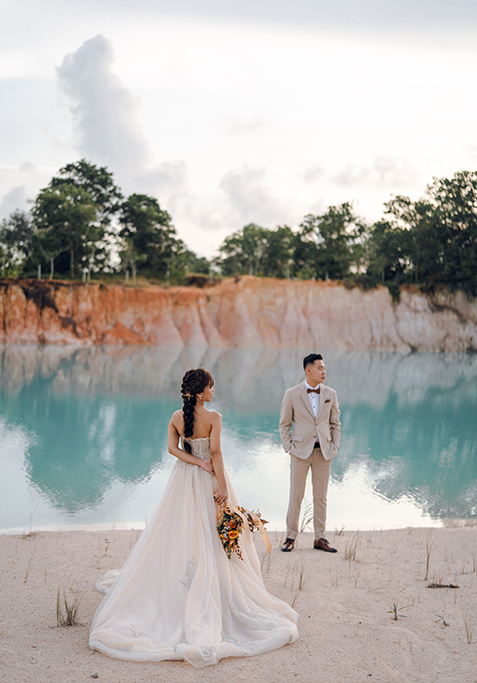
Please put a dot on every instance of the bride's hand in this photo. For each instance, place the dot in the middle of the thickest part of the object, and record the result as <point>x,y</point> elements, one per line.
<point>221,496</point>
<point>207,465</point>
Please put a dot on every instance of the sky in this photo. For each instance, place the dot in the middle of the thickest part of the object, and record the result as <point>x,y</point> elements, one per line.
<point>235,112</point>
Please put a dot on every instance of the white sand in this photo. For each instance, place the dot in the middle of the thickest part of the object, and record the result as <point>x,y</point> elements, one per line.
<point>346,632</point>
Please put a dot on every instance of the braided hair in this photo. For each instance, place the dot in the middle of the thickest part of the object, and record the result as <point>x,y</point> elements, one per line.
<point>193,383</point>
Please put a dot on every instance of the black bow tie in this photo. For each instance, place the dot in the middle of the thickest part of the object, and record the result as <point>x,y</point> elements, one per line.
<point>313,391</point>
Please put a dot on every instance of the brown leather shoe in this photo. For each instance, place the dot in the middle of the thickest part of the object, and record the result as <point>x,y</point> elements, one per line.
<point>322,544</point>
<point>288,545</point>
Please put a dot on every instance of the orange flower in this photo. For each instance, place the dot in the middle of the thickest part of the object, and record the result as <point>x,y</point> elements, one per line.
<point>233,534</point>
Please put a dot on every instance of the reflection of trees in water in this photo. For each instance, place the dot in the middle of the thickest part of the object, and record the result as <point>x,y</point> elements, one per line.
<point>82,445</point>
<point>427,450</point>
<point>101,414</point>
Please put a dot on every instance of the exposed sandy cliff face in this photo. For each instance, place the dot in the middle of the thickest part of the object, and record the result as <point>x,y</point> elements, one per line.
<point>249,312</point>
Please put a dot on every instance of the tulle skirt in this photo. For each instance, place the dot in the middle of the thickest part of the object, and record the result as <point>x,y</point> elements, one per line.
<point>178,596</point>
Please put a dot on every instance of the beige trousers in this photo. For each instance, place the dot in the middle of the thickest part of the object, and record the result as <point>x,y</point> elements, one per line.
<point>320,477</point>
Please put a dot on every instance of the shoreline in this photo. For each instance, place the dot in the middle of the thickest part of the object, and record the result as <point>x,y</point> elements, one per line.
<point>28,530</point>
<point>346,625</point>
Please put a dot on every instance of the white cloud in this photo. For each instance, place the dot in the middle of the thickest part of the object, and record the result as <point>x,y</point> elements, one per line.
<point>218,108</point>
<point>384,172</point>
<point>250,199</point>
<point>104,113</point>
<point>103,109</point>
<point>15,199</point>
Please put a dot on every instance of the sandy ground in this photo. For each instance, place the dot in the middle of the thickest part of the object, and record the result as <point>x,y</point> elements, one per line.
<point>347,632</point>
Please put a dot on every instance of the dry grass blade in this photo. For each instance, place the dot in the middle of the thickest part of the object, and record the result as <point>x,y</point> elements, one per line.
<point>301,583</point>
<point>428,558</point>
<point>307,517</point>
<point>468,626</point>
<point>351,549</point>
<point>67,609</point>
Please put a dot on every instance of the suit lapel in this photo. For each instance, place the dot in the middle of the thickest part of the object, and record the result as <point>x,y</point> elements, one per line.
<point>306,400</point>
<point>323,396</point>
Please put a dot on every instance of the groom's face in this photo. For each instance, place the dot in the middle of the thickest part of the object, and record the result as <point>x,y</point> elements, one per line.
<point>316,373</point>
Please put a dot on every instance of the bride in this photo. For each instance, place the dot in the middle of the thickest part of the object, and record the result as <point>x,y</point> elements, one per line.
<point>178,595</point>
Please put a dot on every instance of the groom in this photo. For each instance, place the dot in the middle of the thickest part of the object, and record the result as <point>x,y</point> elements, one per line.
<point>312,409</point>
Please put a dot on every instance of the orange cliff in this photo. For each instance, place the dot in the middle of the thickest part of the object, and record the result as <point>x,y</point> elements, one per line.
<point>244,312</point>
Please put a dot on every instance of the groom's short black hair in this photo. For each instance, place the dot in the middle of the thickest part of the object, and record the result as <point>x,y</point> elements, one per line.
<point>310,359</point>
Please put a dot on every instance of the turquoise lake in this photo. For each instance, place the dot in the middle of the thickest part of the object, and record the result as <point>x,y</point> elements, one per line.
<point>83,434</point>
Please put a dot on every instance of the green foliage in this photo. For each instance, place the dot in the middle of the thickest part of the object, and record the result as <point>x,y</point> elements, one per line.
<point>15,235</point>
<point>97,182</point>
<point>258,251</point>
<point>148,240</point>
<point>198,265</point>
<point>242,252</point>
<point>277,260</point>
<point>65,220</point>
<point>72,216</point>
<point>431,241</point>
<point>331,244</point>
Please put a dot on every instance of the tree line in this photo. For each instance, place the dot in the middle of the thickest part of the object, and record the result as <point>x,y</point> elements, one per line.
<point>81,225</point>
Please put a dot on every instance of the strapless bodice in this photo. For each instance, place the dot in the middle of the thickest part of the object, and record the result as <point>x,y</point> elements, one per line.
<point>200,447</point>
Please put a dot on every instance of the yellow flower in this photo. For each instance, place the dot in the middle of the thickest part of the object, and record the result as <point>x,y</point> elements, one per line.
<point>233,534</point>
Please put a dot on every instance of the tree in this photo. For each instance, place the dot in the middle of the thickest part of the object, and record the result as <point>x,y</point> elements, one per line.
<point>388,252</point>
<point>72,216</point>
<point>15,236</point>
<point>277,260</point>
<point>439,232</point>
<point>65,219</point>
<point>454,203</point>
<point>330,244</point>
<point>97,182</point>
<point>242,252</point>
<point>198,264</point>
<point>148,240</point>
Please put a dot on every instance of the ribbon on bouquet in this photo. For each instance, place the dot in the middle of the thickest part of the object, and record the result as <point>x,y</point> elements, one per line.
<point>256,519</point>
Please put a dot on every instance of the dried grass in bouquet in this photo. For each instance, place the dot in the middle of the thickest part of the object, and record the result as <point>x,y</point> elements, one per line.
<point>232,521</point>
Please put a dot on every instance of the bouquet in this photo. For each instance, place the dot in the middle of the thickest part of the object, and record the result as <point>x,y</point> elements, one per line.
<point>233,522</point>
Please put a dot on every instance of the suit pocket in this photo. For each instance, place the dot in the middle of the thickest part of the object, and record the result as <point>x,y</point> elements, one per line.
<point>328,400</point>
<point>297,438</point>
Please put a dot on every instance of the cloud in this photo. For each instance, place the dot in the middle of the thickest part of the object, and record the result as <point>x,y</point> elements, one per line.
<point>313,174</point>
<point>367,13</point>
<point>249,199</point>
<point>471,152</point>
<point>246,125</point>
<point>103,109</point>
<point>14,200</point>
<point>104,113</point>
<point>384,173</point>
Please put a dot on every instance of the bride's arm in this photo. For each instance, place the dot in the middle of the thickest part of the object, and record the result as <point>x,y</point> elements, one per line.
<point>216,453</point>
<point>173,447</point>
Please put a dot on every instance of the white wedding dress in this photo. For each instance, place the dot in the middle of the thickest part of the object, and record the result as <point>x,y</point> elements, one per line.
<point>178,596</point>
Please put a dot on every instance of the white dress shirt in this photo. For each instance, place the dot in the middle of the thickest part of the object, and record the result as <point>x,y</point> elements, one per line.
<point>314,398</point>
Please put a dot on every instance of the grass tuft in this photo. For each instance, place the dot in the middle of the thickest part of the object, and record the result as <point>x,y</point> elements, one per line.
<point>351,548</point>
<point>395,611</point>
<point>67,609</point>
<point>307,516</point>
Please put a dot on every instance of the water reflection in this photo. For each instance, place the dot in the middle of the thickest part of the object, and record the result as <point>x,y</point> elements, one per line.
<point>87,421</point>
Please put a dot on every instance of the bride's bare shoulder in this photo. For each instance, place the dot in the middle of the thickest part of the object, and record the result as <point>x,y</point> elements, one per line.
<point>177,418</point>
<point>215,417</point>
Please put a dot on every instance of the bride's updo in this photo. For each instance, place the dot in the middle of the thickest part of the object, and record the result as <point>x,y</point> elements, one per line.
<point>194,382</point>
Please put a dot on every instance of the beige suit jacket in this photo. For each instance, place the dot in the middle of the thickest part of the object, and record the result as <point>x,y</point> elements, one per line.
<point>297,412</point>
